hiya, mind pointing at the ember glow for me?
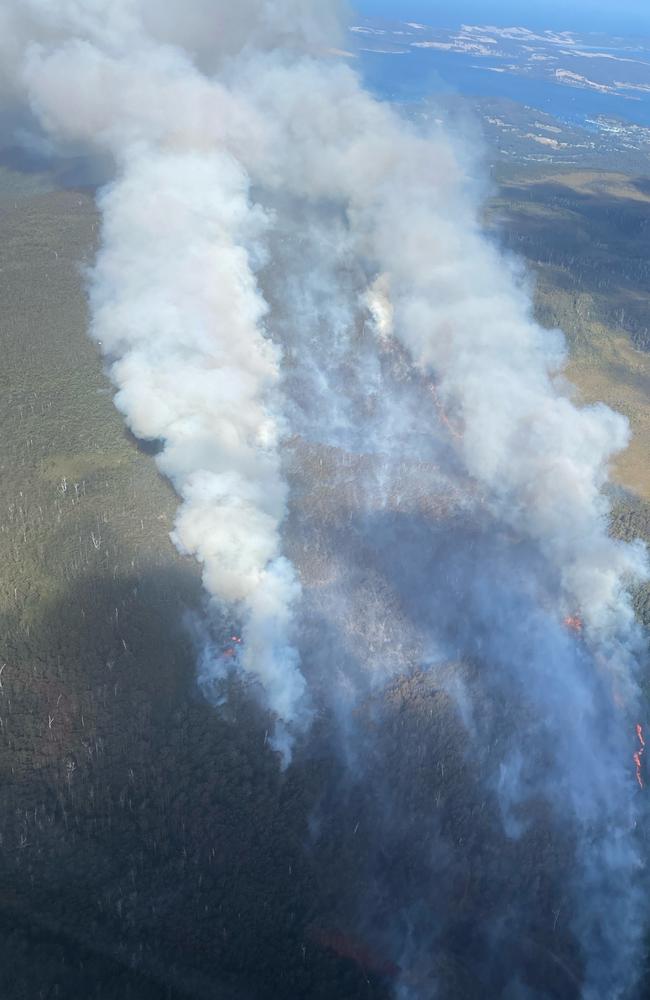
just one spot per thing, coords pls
(574, 622)
(346, 946)
(230, 650)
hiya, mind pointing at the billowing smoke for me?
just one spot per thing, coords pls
(379, 465)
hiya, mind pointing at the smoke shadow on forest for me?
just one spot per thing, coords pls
(432, 874)
(157, 836)
(148, 837)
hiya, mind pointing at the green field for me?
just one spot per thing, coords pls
(586, 236)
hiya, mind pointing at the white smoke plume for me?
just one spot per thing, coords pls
(194, 369)
(455, 306)
(264, 208)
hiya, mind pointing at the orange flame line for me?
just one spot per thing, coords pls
(638, 754)
(574, 622)
(443, 416)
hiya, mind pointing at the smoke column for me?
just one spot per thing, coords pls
(194, 368)
(176, 306)
(284, 255)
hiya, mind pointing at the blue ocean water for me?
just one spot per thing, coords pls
(424, 72)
